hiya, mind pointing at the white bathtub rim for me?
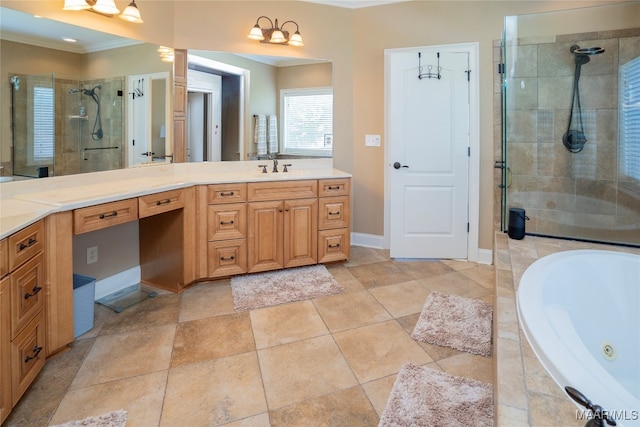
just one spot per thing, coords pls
(559, 359)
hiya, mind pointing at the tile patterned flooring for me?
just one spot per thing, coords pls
(191, 360)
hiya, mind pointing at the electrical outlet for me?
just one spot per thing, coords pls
(372, 140)
(92, 254)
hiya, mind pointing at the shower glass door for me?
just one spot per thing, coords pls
(33, 124)
(571, 120)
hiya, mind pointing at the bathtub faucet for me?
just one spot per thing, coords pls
(598, 414)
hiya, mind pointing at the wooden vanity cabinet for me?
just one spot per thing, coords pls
(282, 224)
(334, 220)
(223, 214)
(22, 312)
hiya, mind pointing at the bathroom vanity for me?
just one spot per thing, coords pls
(196, 222)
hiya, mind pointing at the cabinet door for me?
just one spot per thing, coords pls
(27, 293)
(27, 356)
(300, 232)
(5, 350)
(264, 236)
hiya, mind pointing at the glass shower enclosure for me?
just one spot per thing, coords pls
(571, 123)
(63, 125)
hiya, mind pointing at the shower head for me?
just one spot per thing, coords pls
(15, 82)
(577, 50)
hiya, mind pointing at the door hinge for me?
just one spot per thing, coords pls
(133, 142)
(468, 75)
(468, 227)
(501, 68)
(469, 151)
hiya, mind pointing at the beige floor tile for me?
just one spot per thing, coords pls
(469, 365)
(286, 323)
(360, 255)
(348, 407)
(206, 299)
(140, 396)
(423, 269)
(152, 312)
(401, 299)
(214, 392)
(260, 420)
(344, 277)
(455, 283)
(348, 311)
(42, 398)
(379, 350)
(378, 392)
(139, 352)
(482, 274)
(545, 410)
(212, 337)
(379, 274)
(303, 370)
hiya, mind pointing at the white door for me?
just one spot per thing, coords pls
(138, 120)
(428, 153)
(196, 125)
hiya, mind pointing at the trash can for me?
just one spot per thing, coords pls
(84, 289)
(517, 218)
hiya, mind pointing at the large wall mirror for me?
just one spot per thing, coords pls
(107, 103)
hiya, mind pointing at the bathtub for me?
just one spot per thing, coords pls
(580, 311)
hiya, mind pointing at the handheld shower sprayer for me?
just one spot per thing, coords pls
(574, 139)
(97, 132)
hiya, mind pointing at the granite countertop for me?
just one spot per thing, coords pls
(26, 201)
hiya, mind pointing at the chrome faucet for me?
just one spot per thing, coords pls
(275, 165)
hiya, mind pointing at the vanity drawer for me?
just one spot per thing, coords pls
(226, 193)
(105, 215)
(158, 203)
(333, 212)
(4, 257)
(333, 245)
(282, 190)
(227, 258)
(226, 221)
(27, 293)
(334, 187)
(27, 356)
(25, 244)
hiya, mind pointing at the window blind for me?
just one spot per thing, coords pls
(307, 116)
(43, 123)
(630, 119)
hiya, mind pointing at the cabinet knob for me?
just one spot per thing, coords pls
(29, 243)
(36, 350)
(35, 290)
(231, 258)
(112, 214)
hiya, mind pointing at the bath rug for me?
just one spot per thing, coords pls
(111, 419)
(425, 397)
(457, 322)
(282, 286)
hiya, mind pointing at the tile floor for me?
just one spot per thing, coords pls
(190, 360)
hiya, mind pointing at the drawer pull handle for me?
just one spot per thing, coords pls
(29, 243)
(163, 202)
(103, 216)
(230, 193)
(331, 187)
(337, 245)
(226, 223)
(36, 350)
(334, 213)
(231, 258)
(35, 290)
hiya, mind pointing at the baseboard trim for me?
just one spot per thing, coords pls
(485, 256)
(117, 282)
(367, 240)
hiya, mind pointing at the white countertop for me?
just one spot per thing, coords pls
(26, 201)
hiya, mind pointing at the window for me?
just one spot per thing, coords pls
(630, 119)
(43, 124)
(307, 121)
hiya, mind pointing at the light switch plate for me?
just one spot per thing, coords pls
(372, 140)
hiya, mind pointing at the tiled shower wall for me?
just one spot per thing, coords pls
(579, 195)
(75, 151)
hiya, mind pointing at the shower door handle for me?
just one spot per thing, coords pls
(148, 153)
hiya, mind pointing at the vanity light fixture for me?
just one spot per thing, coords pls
(275, 34)
(106, 8)
(166, 53)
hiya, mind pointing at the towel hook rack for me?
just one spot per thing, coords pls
(429, 74)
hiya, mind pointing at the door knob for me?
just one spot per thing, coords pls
(397, 165)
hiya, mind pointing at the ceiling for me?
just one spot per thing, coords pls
(355, 4)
